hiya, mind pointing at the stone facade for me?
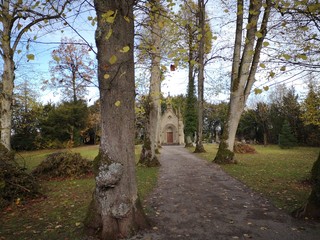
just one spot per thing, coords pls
(171, 127)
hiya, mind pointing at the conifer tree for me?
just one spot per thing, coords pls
(286, 138)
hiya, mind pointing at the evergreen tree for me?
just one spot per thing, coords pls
(286, 138)
(190, 113)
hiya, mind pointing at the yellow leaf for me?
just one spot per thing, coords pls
(117, 103)
(259, 35)
(30, 57)
(286, 56)
(125, 49)
(283, 68)
(109, 34)
(106, 76)
(56, 58)
(113, 59)
(127, 19)
(266, 88)
(161, 24)
(109, 16)
(257, 91)
(262, 65)
(272, 74)
(266, 44)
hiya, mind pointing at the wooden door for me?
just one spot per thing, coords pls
(169, 137)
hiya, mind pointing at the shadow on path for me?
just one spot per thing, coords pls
(197, 200)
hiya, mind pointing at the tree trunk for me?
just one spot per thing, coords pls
(190, 125)
(265, 138)
(199, 146)
(244, 68)
(115, 211)
(7, 92)
(312, 208)
(148, 155)
(225, 152)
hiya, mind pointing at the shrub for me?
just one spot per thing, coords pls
(63, 164)
(243, 148)
(15, 182)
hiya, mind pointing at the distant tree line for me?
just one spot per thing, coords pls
(53, 125)
(263, 123)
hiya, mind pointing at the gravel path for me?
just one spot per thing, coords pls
(197, 200)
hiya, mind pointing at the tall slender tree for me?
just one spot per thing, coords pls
(244, 66)
(201, 11)
(115, 211)
(148, 153)
(17, 18)
(72, 69)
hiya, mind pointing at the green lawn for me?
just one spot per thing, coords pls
(279, 174)
(276, 173)
(59, 214)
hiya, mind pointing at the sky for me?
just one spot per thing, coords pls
(216, 82)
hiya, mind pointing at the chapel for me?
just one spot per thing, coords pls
(171, 127)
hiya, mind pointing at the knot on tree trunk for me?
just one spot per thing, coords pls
(109, 175)
(121, 210)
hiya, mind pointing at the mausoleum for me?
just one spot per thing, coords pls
(171, 127)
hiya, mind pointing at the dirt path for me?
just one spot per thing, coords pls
(197, 200)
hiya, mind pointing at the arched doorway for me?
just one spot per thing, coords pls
(169, 135)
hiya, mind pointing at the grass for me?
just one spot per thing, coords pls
(279, 174)
(60, 213)
(276, 173)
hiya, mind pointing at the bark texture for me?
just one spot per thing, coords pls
(7, 76)
(244, 67)
(115, 211)
(312, 208)
(148, 155)
(199, 146)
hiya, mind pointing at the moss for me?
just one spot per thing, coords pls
(224, 155)
(96, 163)
(199, 149)
(146, 158)
(315, 178)
(93, 221)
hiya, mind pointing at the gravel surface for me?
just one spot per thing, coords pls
(195, 199)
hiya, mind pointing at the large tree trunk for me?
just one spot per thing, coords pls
(148, 155)
(199, 146)
(6, 91)
(244, 68)
(225, 152)
(312, 208)
(115, 211)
